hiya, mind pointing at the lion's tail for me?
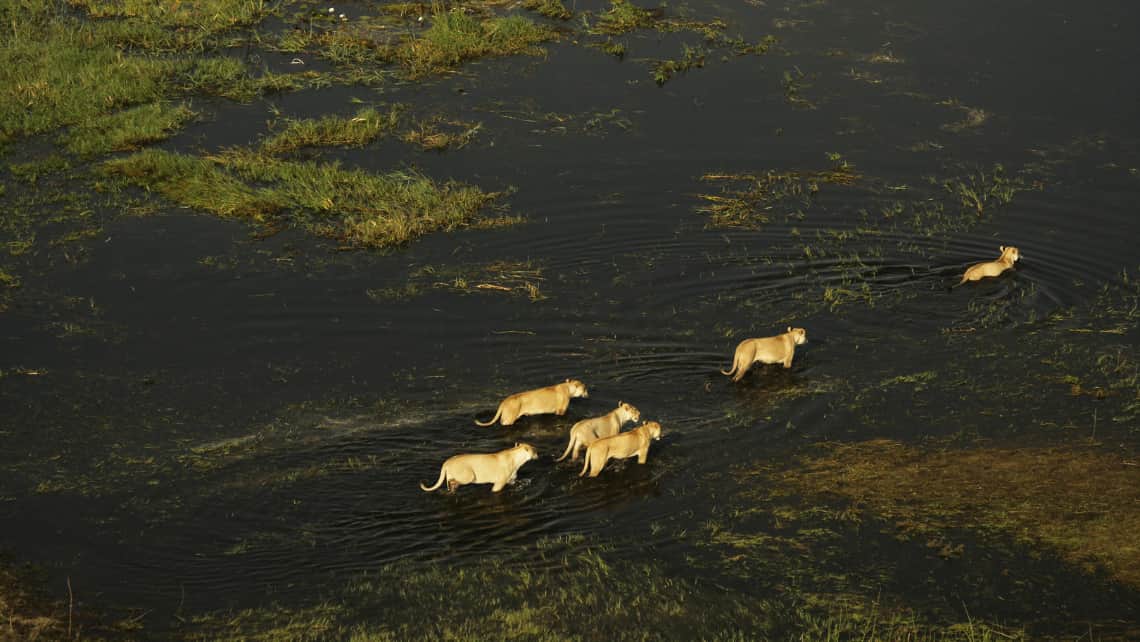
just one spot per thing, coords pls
(732, 371)
(569, 447)
(442, 474)
(498, 413)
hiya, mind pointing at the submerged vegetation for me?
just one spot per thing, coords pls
(506, 277)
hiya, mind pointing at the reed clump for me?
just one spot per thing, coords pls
(358, 208)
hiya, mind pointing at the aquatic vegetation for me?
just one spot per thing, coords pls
(790, 190)
(438, 134)
(560, 596)
(365, 126)
(690, 57)
(454, 36)
(58, 69)
(127, 130)
(978, 191)
(623, 16)
(553, 9)
(24, 616)
(1080, 502)
(356, 207)
(519, 278)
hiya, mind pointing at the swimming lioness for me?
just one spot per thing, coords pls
(778, 349)
(588, 431)
(537, 402)
(498, 468)
(627, 444)
(1009, 256)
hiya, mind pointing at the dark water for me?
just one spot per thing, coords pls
(251, 429)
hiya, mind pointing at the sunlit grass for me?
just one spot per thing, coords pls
(58, 70)
(623, 16)
(365, 126)
(128, 129)
(356, 207)
(1086, 505)
(454, 36)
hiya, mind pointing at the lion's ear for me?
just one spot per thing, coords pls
(789, 328)
(1001, 247)
(516, 444)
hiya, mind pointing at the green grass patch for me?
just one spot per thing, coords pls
(356, 207)
(553, 9)
(127, 130)
(622, 17)
(454, 37)
(365, 126)
(58, 69)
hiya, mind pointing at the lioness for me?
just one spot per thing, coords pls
(627, 444)
(778, 349)
(1009, 256)
(498, 468)
(537, 402)
(588, 431)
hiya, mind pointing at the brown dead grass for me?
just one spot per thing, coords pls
(1083, 503)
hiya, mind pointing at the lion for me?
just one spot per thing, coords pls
(554, 399)
(588, 431)
(627, 444)
(778, 349)
(1009, 256)
(498, 468)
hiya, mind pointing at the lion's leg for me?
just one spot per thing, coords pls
(642, 455)
(498, 486)
(510, 415)
(452, 484)
(741, 368)
(597, 464)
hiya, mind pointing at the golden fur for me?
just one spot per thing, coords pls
(554, 399)
(498, 468)
(1009, 256)
(588, 431)
(778, 349)
(627, 444)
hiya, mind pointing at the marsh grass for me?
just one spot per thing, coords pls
(438, 134)
(127, 130)
(1083, 503)
(515, 278)
(571, 590)
(353, 206)
(553, 9)
(367, 125)
(691, 57)
(980, 191)
(455, 36)
(622, 17)
(746, 199)
(59, 69)
(24, 616)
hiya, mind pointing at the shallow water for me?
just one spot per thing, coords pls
(252, 429)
